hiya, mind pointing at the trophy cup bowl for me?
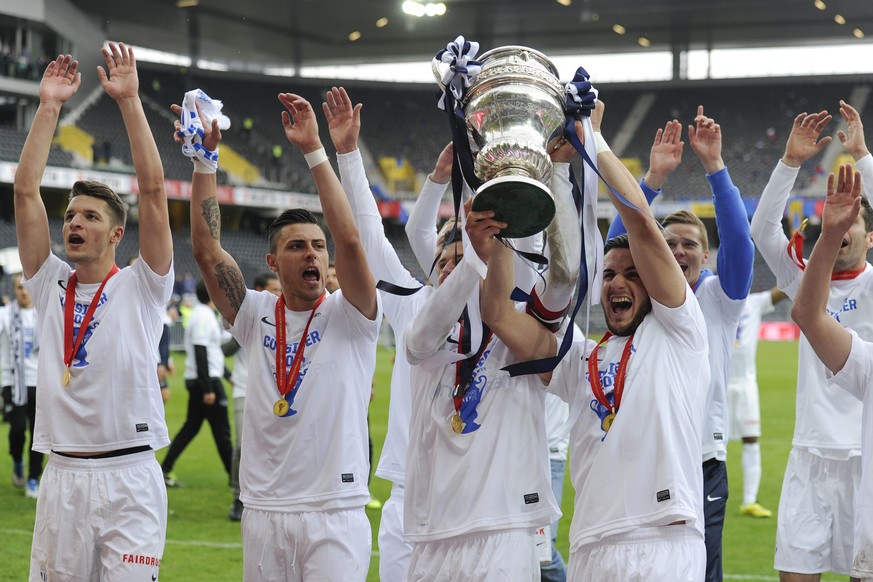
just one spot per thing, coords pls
(512, 109)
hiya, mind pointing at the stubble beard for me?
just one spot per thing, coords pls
(632, 325)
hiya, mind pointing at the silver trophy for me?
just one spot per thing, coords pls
(512, 109)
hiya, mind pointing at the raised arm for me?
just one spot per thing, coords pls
(525, 336)
(654, 261)
(120, 81)
(736, 263)
(428, 330)
(553, 292)
(830, 340)
(421, 226)
(664, 157)
(766, 228)
(356, 281)
(853, 140)
(59, 83)
(221, 274)
(344, 123)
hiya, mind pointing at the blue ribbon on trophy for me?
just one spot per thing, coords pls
(580, 99)
(460, 55)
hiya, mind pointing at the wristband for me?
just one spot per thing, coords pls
(602, 146)
(315, 158)
(201, 168)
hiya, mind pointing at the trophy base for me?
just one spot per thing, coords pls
(524, 204)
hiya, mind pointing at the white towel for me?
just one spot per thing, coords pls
(192, 126)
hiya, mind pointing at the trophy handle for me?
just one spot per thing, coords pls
(439, 68)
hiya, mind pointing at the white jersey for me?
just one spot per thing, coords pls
(646, 470)
(856, 377)
(828, 420)
(494, 475)
(315, 458)
(113, 400)
(722, 315)
(19, 349)
(205, 330)
(743, 364)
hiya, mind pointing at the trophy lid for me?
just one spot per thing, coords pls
(519, 52)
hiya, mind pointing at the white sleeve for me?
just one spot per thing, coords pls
(855, 376)
(247, 316)
(159, 288)
(381, 256)
(42, 286)
(865, 166)
(421, 225)
(684, 323)
(766, 227)
(565, 245)
(428, 330)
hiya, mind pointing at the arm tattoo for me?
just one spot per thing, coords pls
(212, 215)
(230, 281)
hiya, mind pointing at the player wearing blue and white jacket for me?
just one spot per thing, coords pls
(721, 296)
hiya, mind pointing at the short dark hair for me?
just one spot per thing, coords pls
(99, 190)
(450, 231)
(621, 241)
(262, 279)
(292, 216)
(202, 292)
(867, 214)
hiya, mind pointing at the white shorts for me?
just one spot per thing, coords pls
(328, 546)
(863, 574)
(500, 556)
(744, 410)
(649, 554)
(815, 527)
(394, 553)
(100, 519)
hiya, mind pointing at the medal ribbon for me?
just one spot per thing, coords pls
(621, 374)
(71, 346)
(464, 368)
(795, 251)
(283, 381)
(795, 246)
(846, 275)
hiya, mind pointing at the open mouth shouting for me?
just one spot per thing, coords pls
(312, 275)
(75, 240)
(620, 304)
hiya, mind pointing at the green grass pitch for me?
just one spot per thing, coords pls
(202, 544)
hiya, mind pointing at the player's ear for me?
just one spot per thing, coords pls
(117, 235)
(271, 262)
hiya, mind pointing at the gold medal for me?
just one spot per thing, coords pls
(281, 407)
(607, 421)
(65, 378)
(457, 424)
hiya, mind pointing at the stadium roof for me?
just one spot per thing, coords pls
(311, 32)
